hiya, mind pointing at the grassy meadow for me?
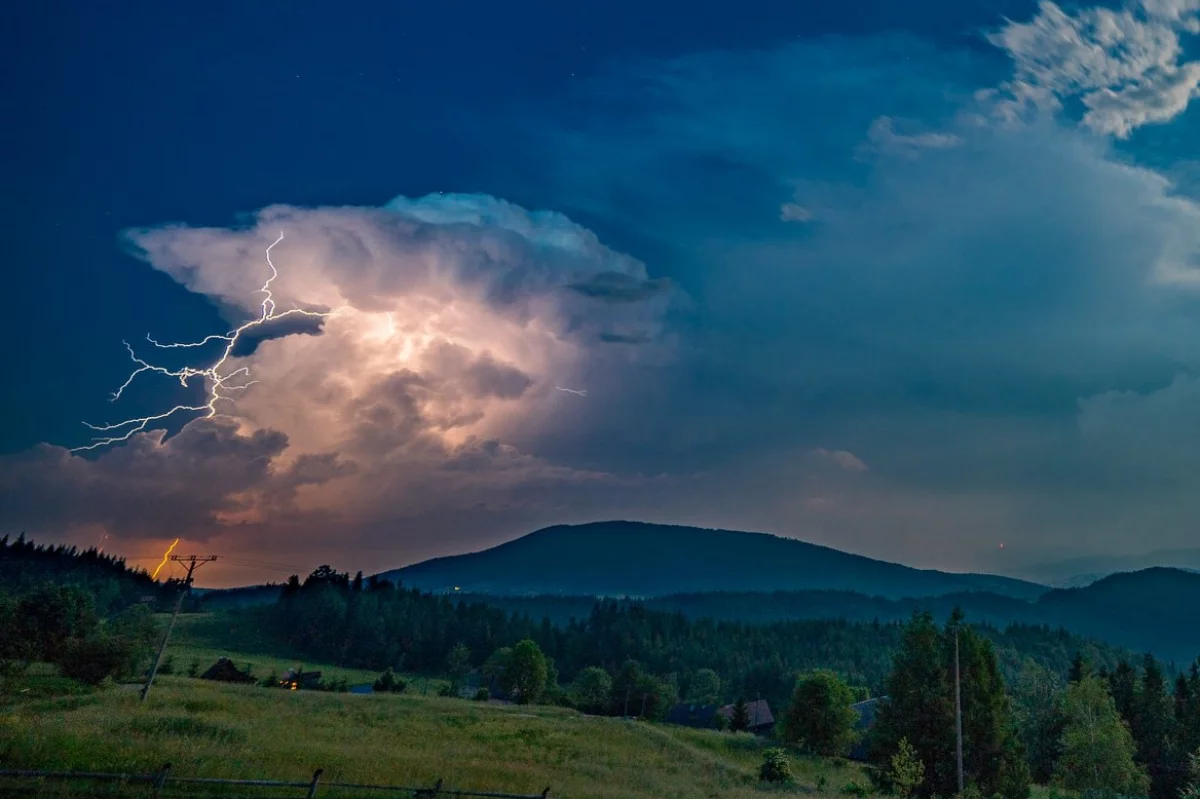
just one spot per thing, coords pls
(216, 730)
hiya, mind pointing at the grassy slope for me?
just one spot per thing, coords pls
(211, 729)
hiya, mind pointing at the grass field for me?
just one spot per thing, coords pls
(207, 729)
(203, 637)
(217, 730)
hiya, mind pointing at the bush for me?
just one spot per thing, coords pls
(92, 660)
(167, 666)
(855, 788)
(447, 690)
(270, 681)
(482, 695)
(193, 669)
(776, 767)
(388, 682)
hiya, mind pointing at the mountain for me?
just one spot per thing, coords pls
(1151, 610)
(1078, 572)
(633, 559)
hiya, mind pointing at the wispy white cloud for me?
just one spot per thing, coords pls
(844, 460)
(1124, 65)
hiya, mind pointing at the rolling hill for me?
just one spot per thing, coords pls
(633, 559)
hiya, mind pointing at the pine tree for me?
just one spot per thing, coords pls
(987, 716)
(1187, 710)
(1122, 685)
(1192, 789)
(920, 708)
(1151, 727)
(1080, 668)
(1014, 780)
(905, 771)
(1038, 714)
(741, 716)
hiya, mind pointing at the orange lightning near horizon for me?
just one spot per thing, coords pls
(166, 557)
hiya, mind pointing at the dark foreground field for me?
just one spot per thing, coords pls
(217, 730)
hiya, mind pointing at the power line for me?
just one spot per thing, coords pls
(193, 562)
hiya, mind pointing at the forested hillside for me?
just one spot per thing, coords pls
(111, 584)
(373, 624)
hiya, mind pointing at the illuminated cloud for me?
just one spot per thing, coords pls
(450, 320)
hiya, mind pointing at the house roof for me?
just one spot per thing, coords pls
(759, 710)
(224, 671)
(866, 712)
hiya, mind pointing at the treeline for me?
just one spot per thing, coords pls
(375, 624)
(60, 624)
(106, 579)
(1127, 731)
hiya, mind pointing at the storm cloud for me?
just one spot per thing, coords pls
(894, 296)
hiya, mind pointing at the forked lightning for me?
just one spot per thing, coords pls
(218, 381)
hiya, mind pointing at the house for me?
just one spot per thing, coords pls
(761, 720)
(867, 711)
(224, 671)
(297, 679)
(692, 714)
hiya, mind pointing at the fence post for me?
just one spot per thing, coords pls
(160, 780)
(312, 786)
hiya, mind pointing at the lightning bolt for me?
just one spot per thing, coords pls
(166, 557)
(582, 393)
(219, 379)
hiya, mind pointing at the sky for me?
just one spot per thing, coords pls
(916, 281)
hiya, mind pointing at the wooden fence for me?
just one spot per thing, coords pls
(156, 784)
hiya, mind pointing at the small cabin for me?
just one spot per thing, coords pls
(300, 680)
(224, 671)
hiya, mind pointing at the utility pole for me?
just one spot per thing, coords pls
(193, 562)
(958, 713)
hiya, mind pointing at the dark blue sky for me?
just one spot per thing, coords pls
(159, 112)
(880, 323)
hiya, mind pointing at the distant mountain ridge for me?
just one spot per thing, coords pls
(1078, 572)
(636, 559)
(1152, 610)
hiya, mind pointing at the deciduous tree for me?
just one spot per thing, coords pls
(704, 688)
(820, 718)
(1097, 747)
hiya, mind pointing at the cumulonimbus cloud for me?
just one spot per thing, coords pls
(450, 319)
